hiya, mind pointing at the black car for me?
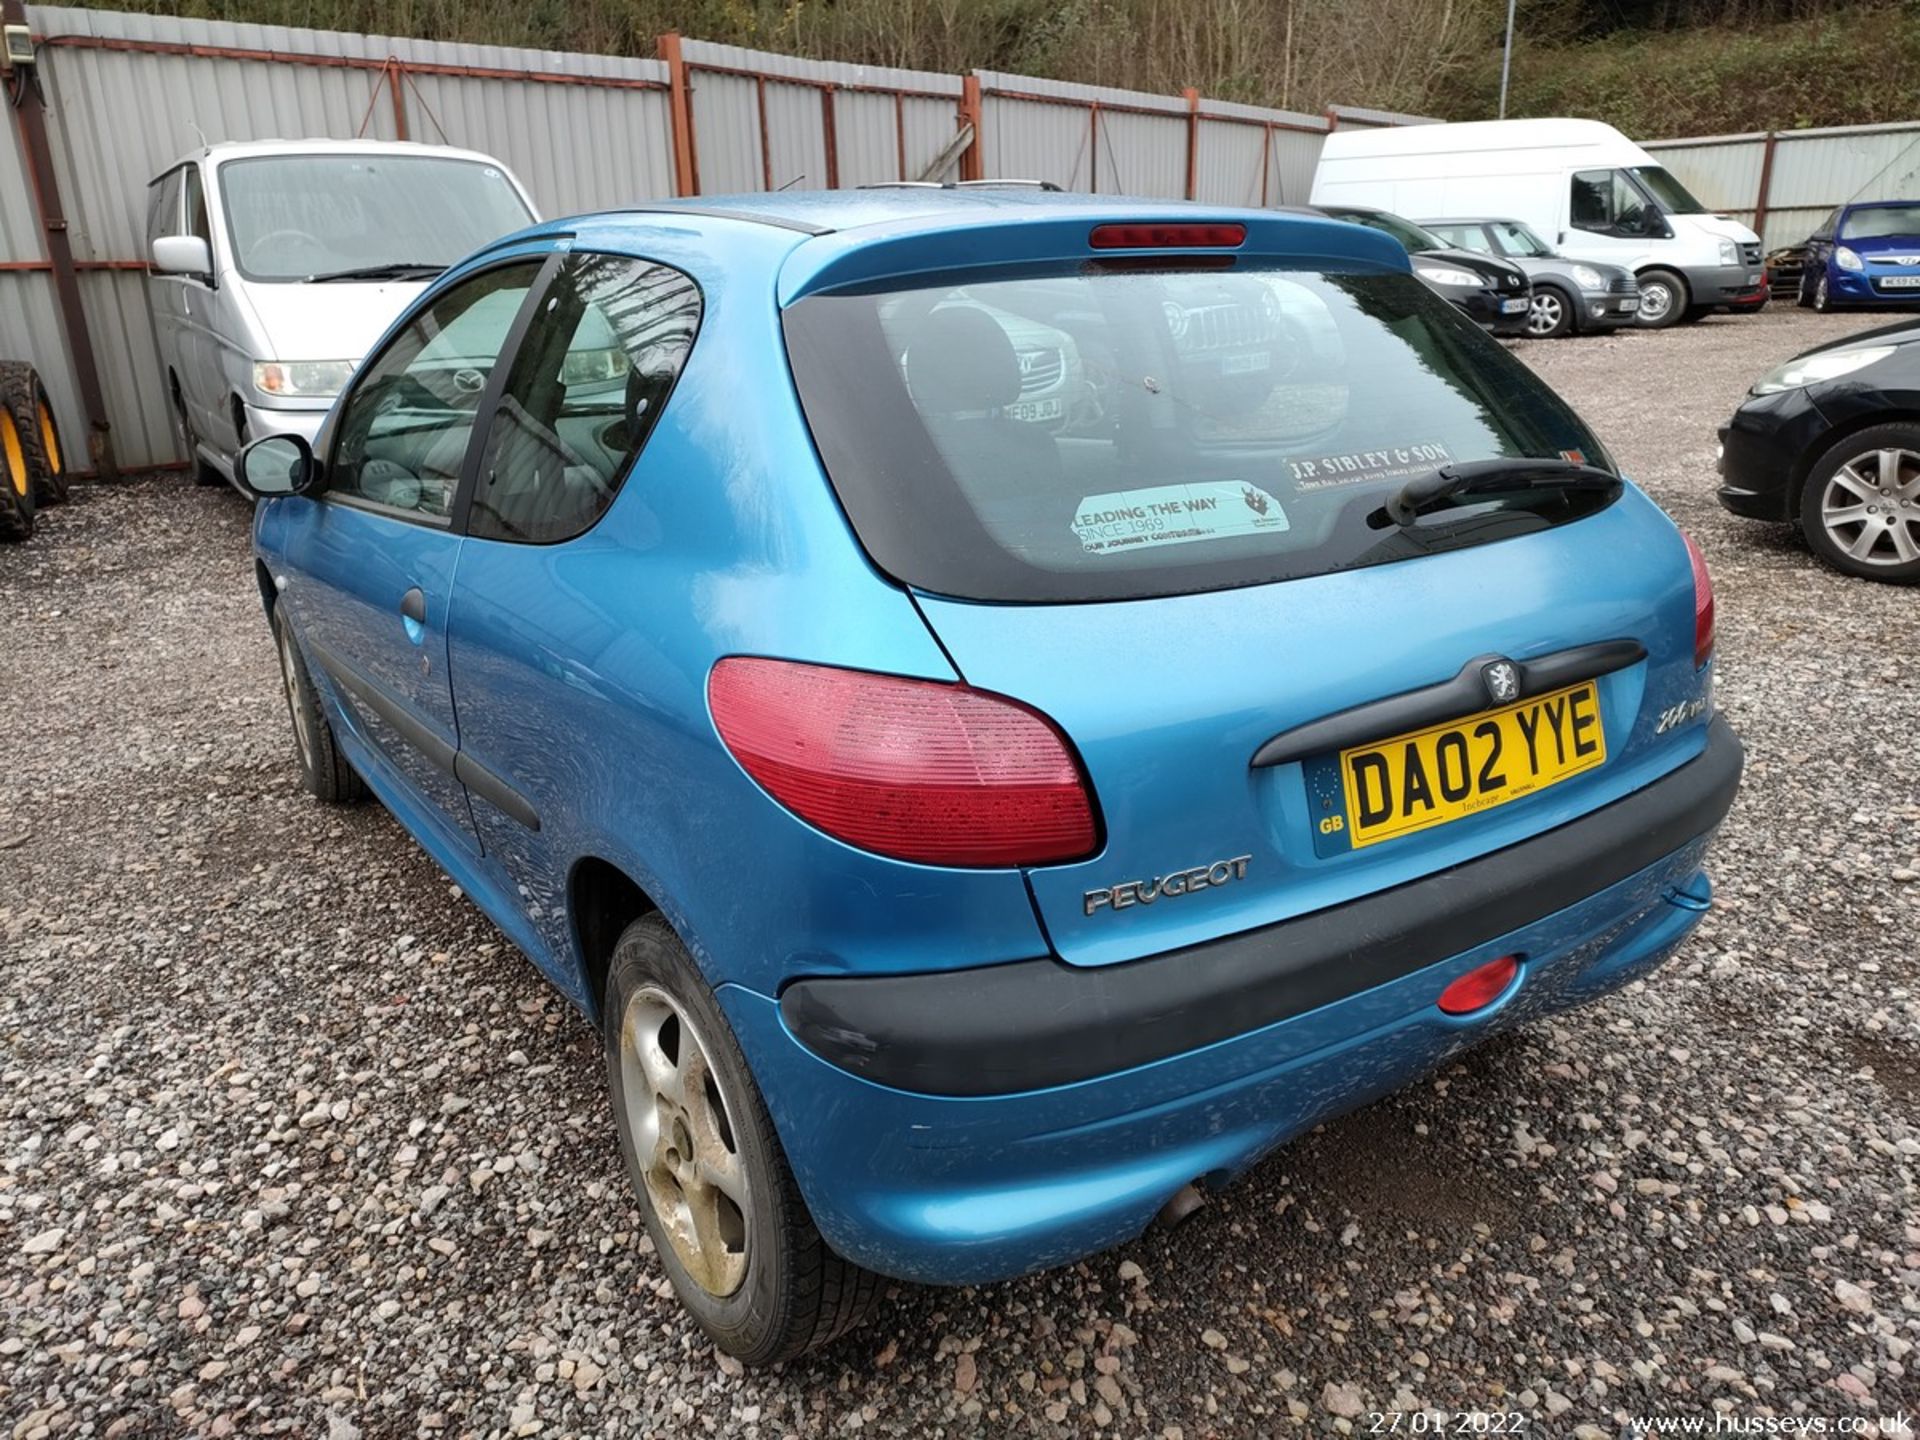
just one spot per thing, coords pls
(1570, 297)
(1494, 292)
(1831, 441)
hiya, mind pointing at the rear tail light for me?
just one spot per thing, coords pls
(915, 769)
(1480, 987)
(1206, 236)
(1702, 604)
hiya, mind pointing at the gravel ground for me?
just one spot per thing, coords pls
(294, 1142)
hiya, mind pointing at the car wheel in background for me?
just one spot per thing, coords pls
(16, 483)
(1803, 291)
(720, 1202)
(1861, 505)
(25, 399)
(1663, 299)
(1550, 315)
(1822, 298)
(323, 769)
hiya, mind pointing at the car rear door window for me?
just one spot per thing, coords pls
(587, 387)
(1108, 434)
(402, 435)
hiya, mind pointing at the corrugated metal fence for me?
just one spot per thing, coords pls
(1784, 183)
(125, 94)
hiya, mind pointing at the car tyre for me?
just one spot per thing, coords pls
(16, 482)
(737, 1241)
(323, 769)
(39, 432)
(1549, 314)
(1663, 299)
(1822, 297)
(1860, 507)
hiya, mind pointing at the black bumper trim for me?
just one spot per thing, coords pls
(1031, 1024)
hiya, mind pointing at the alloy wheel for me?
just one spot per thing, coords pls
(683, 1135)
(1821, 299)
(1545, 314)
(296, 704)
(1870, 507)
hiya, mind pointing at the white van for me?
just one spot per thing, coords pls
(1600, 196)
(274, 265)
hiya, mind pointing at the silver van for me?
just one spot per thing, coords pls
(274, 265)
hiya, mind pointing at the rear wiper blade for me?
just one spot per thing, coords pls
(1475, 477)
(392, 270)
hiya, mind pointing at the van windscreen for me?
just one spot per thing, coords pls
(1117, 433)
(293, 217)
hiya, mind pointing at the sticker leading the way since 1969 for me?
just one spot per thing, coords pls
(1175, 514)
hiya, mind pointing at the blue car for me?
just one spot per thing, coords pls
(1865, 254)
(1001, 707)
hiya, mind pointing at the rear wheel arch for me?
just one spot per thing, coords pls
(602, 901)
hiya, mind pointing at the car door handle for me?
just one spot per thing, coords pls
(413, 605)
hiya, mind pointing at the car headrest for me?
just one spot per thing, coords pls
(960, 361)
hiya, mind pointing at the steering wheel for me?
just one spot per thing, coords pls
(299, 238)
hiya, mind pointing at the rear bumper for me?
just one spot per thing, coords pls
(1023, 1115)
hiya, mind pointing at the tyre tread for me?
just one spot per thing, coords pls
(21, 392)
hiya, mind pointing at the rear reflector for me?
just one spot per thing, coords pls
(1702, 604)
(1480, 987)
(1210, 236)
(915, 769)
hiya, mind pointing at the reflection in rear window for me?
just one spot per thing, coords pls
(1111, 434)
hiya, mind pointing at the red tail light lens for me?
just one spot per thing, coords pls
(914, 769)
(1212, 236)
(1480, 987)
(1702, 604)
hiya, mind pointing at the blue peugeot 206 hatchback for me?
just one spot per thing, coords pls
(1001, 707)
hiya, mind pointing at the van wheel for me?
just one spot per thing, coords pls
(33, 421)
(323, 769)
(16, 484)
(1860, 508)
(1550, 315)
(1663, 299)
(720, 1202)
(203, 473)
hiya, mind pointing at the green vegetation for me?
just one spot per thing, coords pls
(1652, 67)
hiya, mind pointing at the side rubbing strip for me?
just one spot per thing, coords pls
(464, 768)
(1464, 694)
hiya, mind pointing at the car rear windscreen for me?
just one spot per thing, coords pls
(1122, 432)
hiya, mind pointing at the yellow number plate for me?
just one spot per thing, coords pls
(1413, 782)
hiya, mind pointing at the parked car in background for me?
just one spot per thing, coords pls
(1865, 254)
(1494, 293)
(1785, 266)
(274, 264)
(1591, 190)
(1569, 296)
(1830, 441)
(967, 837)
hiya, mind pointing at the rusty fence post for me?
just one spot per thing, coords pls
(686, 170)
(1760, 203)
(31, 117)
(972, 166)
(1193, 141)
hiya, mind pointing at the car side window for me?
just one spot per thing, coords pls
(1606, 201)
(163, 207)
(1466, 237)
(402, 435)
(197, 223)
(586, 389)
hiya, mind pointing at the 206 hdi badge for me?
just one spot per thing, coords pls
(1181, 882)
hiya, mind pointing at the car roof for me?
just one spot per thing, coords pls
(1877, 204)
(222, 151)
(909, 206)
